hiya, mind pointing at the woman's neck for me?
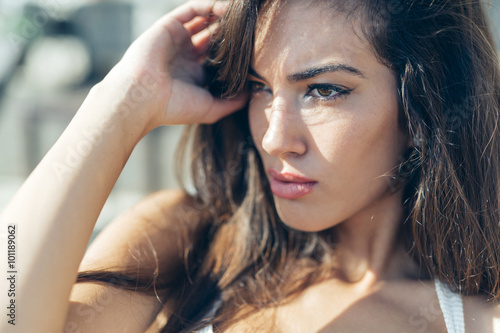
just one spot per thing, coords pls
(369, 246)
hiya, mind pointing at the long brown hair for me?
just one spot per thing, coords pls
(447, 70)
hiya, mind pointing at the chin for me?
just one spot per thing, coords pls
(304, 224)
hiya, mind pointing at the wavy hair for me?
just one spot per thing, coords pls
(446, 65)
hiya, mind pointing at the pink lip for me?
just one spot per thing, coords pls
(290, 186)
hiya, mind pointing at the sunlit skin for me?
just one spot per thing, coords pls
(324, 107)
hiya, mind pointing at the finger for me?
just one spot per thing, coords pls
(220, 8)
(198, 24)
(192, 9)
(201, 41)
(201, 45)
(175, 21)
(203, 108)
(213, 109)
(221, 108)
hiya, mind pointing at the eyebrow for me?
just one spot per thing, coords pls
(313, 72)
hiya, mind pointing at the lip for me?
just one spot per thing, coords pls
(287, 185)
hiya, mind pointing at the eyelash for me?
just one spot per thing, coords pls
(339, 91)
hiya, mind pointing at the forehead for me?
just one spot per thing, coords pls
(308, 32)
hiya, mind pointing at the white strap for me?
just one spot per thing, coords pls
(452, 308)
(207, 329)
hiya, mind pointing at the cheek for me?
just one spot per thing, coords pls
(365, 144)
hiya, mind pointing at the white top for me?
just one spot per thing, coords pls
(450, 303)
(452, 308)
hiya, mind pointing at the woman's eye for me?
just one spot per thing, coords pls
(256, 86)
(326, 91)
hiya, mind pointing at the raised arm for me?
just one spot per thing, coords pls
(54, 212)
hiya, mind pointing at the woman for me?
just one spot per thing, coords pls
(356, 191)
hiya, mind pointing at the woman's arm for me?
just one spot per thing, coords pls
(55, 210)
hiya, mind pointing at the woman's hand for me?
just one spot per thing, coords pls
(161, 74)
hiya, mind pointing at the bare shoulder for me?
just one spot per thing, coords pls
(481, 315)
(144, 235)
(148, 231)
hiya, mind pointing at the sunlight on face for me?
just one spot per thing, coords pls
(324, 117)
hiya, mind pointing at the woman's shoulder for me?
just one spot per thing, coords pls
(481, 315)
(144, 238)
(147, 231)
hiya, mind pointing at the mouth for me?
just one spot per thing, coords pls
(287, 185)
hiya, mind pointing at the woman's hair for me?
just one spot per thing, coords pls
(446, 67)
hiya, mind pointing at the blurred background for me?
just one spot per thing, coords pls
(51, 53)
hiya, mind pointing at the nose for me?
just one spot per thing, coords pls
(284, 134)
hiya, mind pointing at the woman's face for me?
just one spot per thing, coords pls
(324, 117)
